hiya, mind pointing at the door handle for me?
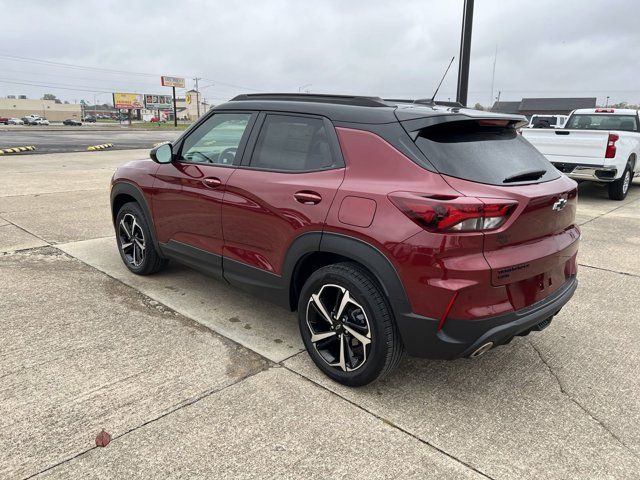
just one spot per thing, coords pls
(307, 197)
(211, 182)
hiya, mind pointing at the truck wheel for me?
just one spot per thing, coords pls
(347, 325)
(618, 190)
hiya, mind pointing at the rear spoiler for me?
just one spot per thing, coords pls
(414, 125)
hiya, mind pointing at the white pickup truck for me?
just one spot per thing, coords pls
(601, 145)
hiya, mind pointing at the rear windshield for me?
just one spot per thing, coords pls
(603, 122)
(485, 154)
(540, 120)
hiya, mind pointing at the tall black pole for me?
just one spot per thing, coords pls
(465, 52)
(175, 110)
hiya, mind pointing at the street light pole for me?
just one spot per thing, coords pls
(465, 53)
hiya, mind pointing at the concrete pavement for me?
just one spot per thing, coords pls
(195, 379)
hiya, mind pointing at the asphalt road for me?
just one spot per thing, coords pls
(77, 139)
(195, 379)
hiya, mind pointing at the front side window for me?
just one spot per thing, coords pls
(582, 121)
(291, 143)
(216, 141)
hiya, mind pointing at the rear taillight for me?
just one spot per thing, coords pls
(605, 110)
(611, 145)
(453, 214)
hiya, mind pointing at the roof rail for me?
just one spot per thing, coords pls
(313, 97)
(424, 101)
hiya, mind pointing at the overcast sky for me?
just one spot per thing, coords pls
(396, 48)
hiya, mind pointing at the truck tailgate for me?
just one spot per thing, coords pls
(586, 147)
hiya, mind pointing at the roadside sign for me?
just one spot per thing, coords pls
(172, 81)
(187, 98)
(128, 101)
(157, 102)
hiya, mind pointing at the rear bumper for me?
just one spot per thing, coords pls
(587, 172)
(460, 338)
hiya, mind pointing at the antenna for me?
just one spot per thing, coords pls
(493, 75)
(441, 80)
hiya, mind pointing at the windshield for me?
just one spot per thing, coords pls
(485, 154)
(596, 121)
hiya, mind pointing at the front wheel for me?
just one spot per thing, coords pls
(347, 326)
(618, 190)
(135, 242)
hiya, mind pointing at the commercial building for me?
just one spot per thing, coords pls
(549, 106)
(49, 109)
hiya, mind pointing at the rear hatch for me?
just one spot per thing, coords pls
(586, 147)
(532, 252)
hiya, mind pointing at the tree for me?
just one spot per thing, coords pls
(477, 106)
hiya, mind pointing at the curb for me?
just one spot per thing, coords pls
(160, 143)
(100, 147)
(30, 148)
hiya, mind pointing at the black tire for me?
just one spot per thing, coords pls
(618, 190)
(150, 262)
(361, 363)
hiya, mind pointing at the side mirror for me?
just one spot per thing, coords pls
(162, 153)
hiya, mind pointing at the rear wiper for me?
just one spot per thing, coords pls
(525, 176)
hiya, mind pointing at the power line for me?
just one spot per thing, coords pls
(63, 86)
(91, 79)
(17, 58)
(69, 65)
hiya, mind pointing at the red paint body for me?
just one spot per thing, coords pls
(253, 217)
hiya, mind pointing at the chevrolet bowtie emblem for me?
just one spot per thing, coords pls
(560, 204)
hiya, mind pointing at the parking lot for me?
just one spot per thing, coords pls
(58, 139)
(194, 379)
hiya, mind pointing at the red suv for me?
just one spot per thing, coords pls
(390, 226)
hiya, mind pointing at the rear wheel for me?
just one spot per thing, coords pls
(135, 242)
(618, 190)
(347, 326)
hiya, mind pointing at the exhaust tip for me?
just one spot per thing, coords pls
(481, 350)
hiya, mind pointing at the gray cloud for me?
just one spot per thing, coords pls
(399, 48)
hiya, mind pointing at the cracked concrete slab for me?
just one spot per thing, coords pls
(504, 414)
(595, 353)
(13, 238)
(593, 198)
(265, 328)
(20, 183)
(565, 409)
(65, 224)
(67, 162)
(611, 243)
(272, 425)
(53, 202)
(80, 351)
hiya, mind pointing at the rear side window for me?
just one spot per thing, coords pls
(627, 123)
(292, 143)
(486, 154)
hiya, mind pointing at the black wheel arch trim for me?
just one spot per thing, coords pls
(354, 249)
(126, 188)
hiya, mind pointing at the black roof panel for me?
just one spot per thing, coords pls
(351, 109)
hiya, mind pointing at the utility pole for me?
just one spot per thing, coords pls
(465, 53)
(197, 95)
